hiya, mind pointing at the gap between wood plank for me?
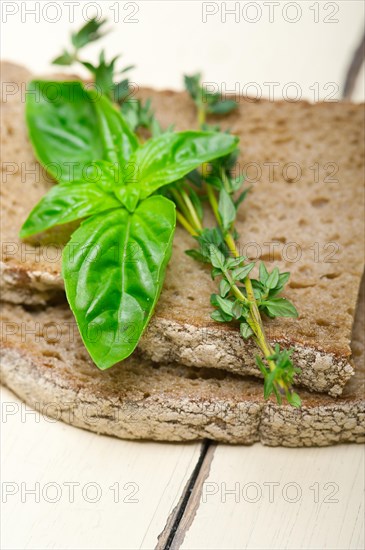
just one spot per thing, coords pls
(184, 512)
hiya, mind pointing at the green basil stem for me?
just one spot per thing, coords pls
(181, 204)
(201, 115)
(213, 201)
(191, 210)
(224, 179)
(186, 224)
(188, 216)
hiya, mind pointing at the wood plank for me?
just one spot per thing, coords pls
(35, 450)
(317, 500)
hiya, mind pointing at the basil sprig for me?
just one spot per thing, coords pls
(114, 265)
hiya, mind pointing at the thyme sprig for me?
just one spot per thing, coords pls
(240, 299)
(207, 102)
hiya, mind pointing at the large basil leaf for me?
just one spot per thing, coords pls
(105, 174)
(119, 142)
(65, 203)
(70, 127)
(113, 268)
(169, 157)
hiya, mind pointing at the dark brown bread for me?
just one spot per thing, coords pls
(285, 215)
(45, 363)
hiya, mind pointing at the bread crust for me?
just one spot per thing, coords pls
(45, 363)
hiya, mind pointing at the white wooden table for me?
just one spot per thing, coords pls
(65, 488)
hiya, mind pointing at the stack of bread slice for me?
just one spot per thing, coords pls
(192, 378)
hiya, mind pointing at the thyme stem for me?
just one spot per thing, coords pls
(254, 319)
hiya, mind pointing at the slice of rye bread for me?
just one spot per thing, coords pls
(324, 220)
(45, 363)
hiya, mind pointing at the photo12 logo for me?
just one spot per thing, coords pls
(53, 12)
(270, 12)
(291, 92)
(71, 492)
(270, 491)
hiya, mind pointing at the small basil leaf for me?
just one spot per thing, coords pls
(169, 157)
(119, 142)
(130, 111)
(88, 33)
(103, 75)
(65, 203)
(226, 209)
(280, 307)
(65, 58)
(140, 115)
(121, 90)
(192, 85)
(113, 268)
